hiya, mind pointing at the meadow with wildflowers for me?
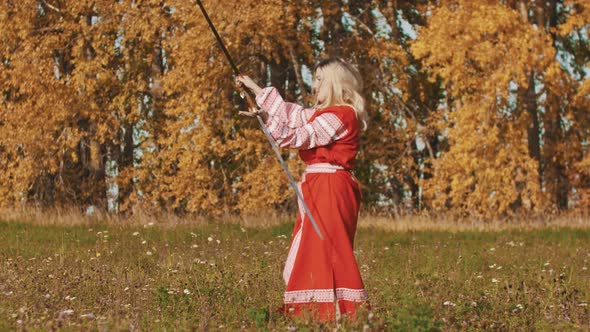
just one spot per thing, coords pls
(213, 275)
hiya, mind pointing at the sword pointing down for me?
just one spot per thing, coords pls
(252, 104)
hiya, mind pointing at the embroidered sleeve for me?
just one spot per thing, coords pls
(323, 130)
(272, 103)
(287, 123)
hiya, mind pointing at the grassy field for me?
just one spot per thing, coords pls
(227, 276)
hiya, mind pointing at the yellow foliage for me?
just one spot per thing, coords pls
(480, 49)
(132, 103)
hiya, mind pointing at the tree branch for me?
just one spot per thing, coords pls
(296, 68)
(50, 6)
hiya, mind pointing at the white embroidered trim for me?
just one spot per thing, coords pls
(311, 295)
(296, 240)
(291, 257)
(322, 168)
(325, 295)
(354, 295)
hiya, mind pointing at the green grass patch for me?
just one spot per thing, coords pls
(223, 276)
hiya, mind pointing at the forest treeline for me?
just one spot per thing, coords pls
(476, 107)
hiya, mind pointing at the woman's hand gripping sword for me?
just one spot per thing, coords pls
(255, 111)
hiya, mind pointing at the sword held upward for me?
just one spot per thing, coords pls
(254, 111)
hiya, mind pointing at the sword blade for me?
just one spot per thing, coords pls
(262, 126)
(219, 40)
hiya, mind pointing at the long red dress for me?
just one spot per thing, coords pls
(321, 274)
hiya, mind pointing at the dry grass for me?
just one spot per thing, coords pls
(75, 217)
(420, 222)
(450, 224)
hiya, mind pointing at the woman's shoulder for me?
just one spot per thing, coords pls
(344, 112)
(339, 109)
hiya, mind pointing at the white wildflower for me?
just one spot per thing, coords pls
(66, 313)
(449, 303)
(88, 316)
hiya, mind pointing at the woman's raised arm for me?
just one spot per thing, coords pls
(271, 102)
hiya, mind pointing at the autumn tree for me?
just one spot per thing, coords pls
(476, 106)
(76, 88)
(508, 143)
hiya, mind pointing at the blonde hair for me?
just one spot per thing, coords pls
(346, 86)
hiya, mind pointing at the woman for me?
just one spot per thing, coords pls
(322, 275)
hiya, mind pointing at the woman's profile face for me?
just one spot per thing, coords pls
(319, 87)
